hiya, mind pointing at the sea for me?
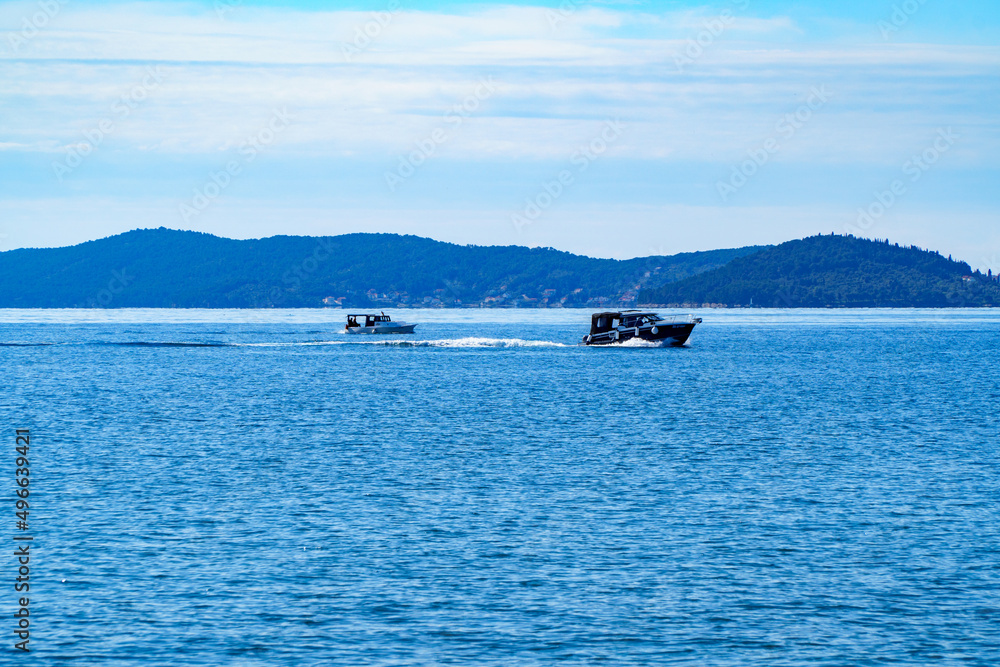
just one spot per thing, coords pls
(224, 487)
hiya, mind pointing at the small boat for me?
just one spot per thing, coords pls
(618, 327)
(376, 324)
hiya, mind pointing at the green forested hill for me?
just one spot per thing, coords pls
(835, 271)
(167, 268)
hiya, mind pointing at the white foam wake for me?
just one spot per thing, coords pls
(386, 341)
(638, 342)
(469, 342)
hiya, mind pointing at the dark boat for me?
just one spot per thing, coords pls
(619, 327)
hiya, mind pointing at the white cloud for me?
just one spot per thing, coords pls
(715, 112)
(556, 85)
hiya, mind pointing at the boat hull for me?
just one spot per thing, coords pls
(402, 329)
(666, 334)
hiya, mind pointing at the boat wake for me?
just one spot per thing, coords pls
(352, 341)
(27, 344)
(379, 341)
(165, 344)
(471, 342)
(639, 342)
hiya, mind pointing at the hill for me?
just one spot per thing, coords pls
(835, 271)
(169, 268)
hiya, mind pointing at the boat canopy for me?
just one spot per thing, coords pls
(603, 322)
(370, 320)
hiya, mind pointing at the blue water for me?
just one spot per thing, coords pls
(255, 488)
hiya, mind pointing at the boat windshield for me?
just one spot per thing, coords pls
(640, 320)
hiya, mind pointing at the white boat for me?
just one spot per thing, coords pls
(376, 324)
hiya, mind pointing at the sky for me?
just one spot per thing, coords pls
(611, 129)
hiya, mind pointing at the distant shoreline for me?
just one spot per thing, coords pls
(357, 309)
(164, 268)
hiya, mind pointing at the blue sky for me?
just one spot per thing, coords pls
(612, 129)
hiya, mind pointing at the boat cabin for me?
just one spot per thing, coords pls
(369, 321)
(604, 322)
